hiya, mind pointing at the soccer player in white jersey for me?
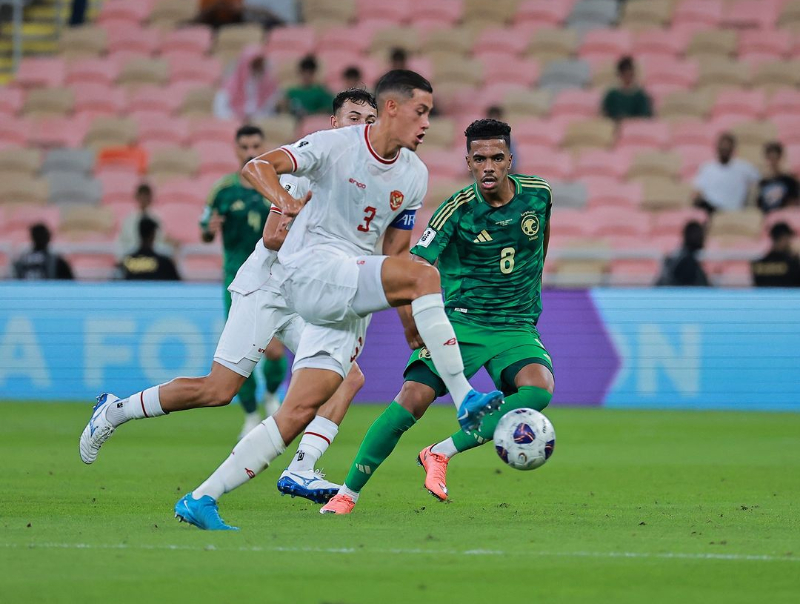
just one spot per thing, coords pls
(259, 311)
(366, 181)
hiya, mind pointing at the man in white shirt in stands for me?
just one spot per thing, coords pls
(726, 183)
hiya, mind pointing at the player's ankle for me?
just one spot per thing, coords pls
(345, 490)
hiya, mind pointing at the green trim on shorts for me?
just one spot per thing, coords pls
(509, 374)
(419, 372)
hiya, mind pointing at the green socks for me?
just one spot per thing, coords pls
(274, 373)
(380, 440)
(527, 396)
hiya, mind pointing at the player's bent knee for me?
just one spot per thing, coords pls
(416, 398)
(355, 378)
(426, 280)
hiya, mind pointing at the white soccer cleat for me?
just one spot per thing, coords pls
(251, 420)
(271, 404)
(98, 430)
(309, 484)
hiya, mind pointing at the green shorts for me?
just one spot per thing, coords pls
(504, 350)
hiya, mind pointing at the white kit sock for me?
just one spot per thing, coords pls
(316, 439)
(138, 406)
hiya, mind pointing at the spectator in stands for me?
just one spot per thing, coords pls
(352, 78)
(682, 269)
(145, 264)
(776, 189)
(309, 97)
(781, 266)
(128, 239)
(628, 100)
(398, 58)
(217, 13)
(40, 263)
(724, 184)
(250, 92)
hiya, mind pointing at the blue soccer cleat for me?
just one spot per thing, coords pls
(475, 405)
(202, 513)
(310, 484)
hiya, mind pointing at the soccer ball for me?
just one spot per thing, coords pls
(524, 439)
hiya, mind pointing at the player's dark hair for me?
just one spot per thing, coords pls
(144, 189)
(398, 55)
(773, 147)
(147, 229)
(308, 63)
(727, 136)
(249, 130)
(40, 236)
(694, 234)
(624, 64)
(359, 96)
(488, 129)
(402, 81)
(352, 72)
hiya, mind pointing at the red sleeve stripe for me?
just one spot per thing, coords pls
(141, 402)
(292, 157)
(325, 438)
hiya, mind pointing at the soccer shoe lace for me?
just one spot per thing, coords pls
(340, 504)
(435, 466)
(475, 405)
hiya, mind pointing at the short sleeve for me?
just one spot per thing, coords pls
(701, 178)
(295, 186)
(440, 229)
(312, 153)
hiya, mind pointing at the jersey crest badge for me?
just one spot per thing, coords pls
(530, 224)
(395, 200)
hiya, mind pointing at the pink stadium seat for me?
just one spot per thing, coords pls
(761, 14)
(788, 129)
(708, 12)
(195, 39)
(749, 104)
(94, 265)
(340, 39)
(608, 192)
(793, 157)
(662, 42)
(671, 222)
(446, 164)
(633, 271)
(733, 273)
(133, 41)
(615, 221)
(783, 102)
(201, 267)
(37, 72)
(179, 220)
(544, 162)
(670, 71)
(154, 98)
(508, 69)
(609, 164)
(693, 132)
(397, 11)
(570, 224)
(131, 11)
(499, 40)
(193, 69)
(298, 39)
(692, 157)
(122, 209)
(643, 134)
(91, 71)
(182, 190)
(538, 132)
(58, 132)
(603, 45)
(95, 99)
(217, 158)
(577, 103)
(771, 45)
(119, 184)
(19, 216)
(442, 13)
(666, 244)
(543, 13)
(211, 130)
(11, 101)
(313, 123)
(162, 130)
(791, 216)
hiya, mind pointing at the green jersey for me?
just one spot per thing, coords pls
(491, 258)
(245, 212)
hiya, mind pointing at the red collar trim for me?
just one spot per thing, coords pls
(375, 155)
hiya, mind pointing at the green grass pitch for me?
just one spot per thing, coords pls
(633, 507)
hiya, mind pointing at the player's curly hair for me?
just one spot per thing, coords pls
(488, 129)
(359, 96)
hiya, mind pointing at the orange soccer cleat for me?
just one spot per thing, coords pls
(340, 504)
(435, 465)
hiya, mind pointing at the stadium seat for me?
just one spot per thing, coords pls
(14, 132)
(11, 102)
(169, 14)
(110, 132)
(692, 157)
(457, 40)
(444, 163)
(184, 191)
(48, 102)
(54, 132)
(743, 103)
(73, 187)
(82, 42)
(195, 39)
(509, 70)
(718, 73)
(440, 190)
(558, 75)
(775, 44)
(783, 102)
(570, 194)
(195, 266)
(397, 11)
(495, 13)
(194, 70)
(91, 71)
(538, 132)
(742, 223)
(23, 189)
(543, 13)
(300, 40)
(526, 103)
(788, 215)
(212, 131)
(232, 39)
(499, 41)
(153, 99)
(646, 15)
(543, 161)
(548, 45)
(217, 158)
(134, 11)
(758, 132)
(436, 15)
(174, 162)
(129, 42)
(343, 38)
(605, 45)
(671, 222)
(118, 184)
(590, 14)
(138, 72)
(595, 133)
(773, 75)
(86, 217)
(79, 161)
(658, 42)
(38, 72)
(198, 102)
(279, 129)
(761, 14)
(179, 220)
(633, 272)
(441, 134)
(704, 12)
(324, 11)
(457, 69)
(95, 100)
(159, 130)
(600, 163)
(719, 43)
(660, 193)
(395, 37)
(576, 104)
(693, 132)
(608, 192)
(643, 134)
(646, 164)
(790, 16)
(666, 70)
(616, 221)
(22, 216)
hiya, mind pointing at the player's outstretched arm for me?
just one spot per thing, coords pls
(264, 172)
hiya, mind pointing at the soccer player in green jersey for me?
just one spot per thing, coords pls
(238, 211)
(490, 241)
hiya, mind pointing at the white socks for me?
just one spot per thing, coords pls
(446, 448)
(343, 490)
(440, 340)
(249, 457)
(140, 405)
(316, 439)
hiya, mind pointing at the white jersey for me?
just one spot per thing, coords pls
(262, 269)
(357, 193)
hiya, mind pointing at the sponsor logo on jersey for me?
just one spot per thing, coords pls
(360, 185)
(530, 224)
(483, 237)
(302, 144)
(426, 238)
(504, 222)
(395, 200)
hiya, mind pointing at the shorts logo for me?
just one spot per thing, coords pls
(424, 353)
(530, 224)
(395, 200)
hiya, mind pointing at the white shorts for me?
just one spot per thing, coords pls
(253, 321)
(333, 347)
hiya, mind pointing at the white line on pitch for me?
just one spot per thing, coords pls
(350, 550)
